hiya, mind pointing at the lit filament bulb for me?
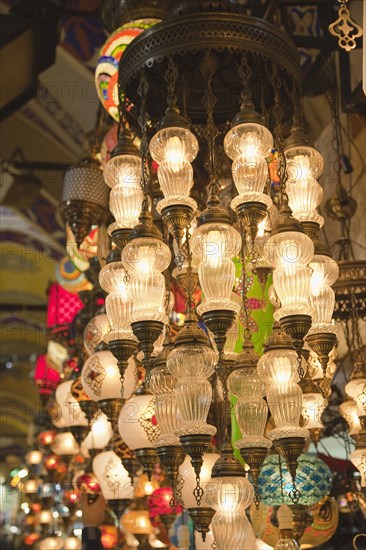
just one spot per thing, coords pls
(250, 146)
(214, 249)
(175, 153)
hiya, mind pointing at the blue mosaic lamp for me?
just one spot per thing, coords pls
(313, 480)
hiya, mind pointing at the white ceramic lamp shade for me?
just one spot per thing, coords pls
(187, 472)
(70, 408)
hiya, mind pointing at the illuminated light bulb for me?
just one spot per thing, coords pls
(125, 170)
(188, 474)
(348, 410)
(30, 486)
(95, 331)
(100, 377)
(112, 476)
(51, 543)
(69, 406)
(356, 387)
(45, 517)
(358, 459)
(65, 444)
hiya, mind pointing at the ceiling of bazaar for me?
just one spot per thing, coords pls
(52, 127)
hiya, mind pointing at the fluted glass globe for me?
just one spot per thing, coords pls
(213, 243)
(173, 145)
(162, 385)
(229, 494)
(143, 255)
(125, 203)
(249, 140)
(348, 410)
(147, 291)
(192, 360)
(123, 169)
(288, 248)
(279, 367)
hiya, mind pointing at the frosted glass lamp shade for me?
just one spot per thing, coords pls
(100, 377)
(229, 494)
(213, 243)
(112, 476)
(313, 405)
(137, 424)
(357, 390)
(348, 410)
(358, 459)
(95, 331)
(187, 472)
(69, 406)
(278, 367)
(33, 458)
(125, 204)
(65, 444)
(99, 435)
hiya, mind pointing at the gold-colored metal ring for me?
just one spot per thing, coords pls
(355, 540)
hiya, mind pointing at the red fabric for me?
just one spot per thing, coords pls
(62, 306)
(45, 377)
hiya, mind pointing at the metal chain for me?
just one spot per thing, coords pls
(245, 73)
(209, 100)
(142, 90)
(170, 77)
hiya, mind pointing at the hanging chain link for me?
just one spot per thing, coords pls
(170, 77)
(142, 90)
(209, 101)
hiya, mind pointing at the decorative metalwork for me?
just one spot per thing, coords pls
(95, 375)
(345, 29)
(146, 421)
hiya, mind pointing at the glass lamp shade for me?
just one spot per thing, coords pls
(287, 249)
(148, 296)
(137, 424)
(285, 404)
(65, 444)
(51, 543)
(217, 282)
(45, 377)
(304, 192)
(322, 302)
(313, 405)
(33, 458)
(357, 390)
(230, 530)
(325, 271)
(162, 385)
(250, 174)
(192, 364)
(313, 480)
(125, 204)
(124, 171)
(145, 255)
(95, 331)
(303, 162)
(52, 462)
(187, 472)
(278, 367)
(213, 243)
(358, 459)
(292, 284)
(348, 410)
(112, 476)
(57, 354)
(100, 377)
(252, 417)
(229, 494)
(45, 517)
(174, 149)
(174, 145)
(85, 182)
(69, 406)
(191, 360)
(88, 483)
(72, 543)
(99, 435)
(137, 522)
(119, 311)
(246, 384)
(249, 140)
(29, 486)
(112, 279)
